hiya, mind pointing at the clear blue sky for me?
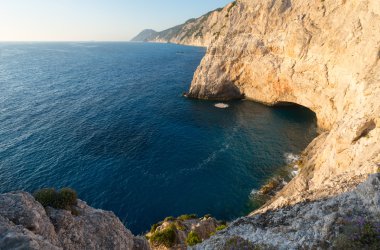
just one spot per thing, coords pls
(99, 20)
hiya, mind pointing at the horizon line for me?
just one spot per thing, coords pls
(61, 41)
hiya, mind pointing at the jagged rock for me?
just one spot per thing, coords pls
(140, 243)
(307, 225)
(91, 228)
(14, 236)
(25, 224)
(21, 209)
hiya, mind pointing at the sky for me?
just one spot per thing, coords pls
(94, 20)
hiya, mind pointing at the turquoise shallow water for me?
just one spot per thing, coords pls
(108, 120)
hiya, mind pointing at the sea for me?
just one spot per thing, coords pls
(109, 120)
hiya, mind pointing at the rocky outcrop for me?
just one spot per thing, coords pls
(175, 231)
(348, 221)
(200, 31)
(323, 55)
(25, 224)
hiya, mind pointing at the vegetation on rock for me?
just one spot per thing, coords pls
(360, 233)
(187, 217)
(66, 198)
(193, 239)
(221, 227)
(169, 218)
(154, 227)
(165, 237)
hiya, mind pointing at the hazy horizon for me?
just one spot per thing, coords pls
(93, 20)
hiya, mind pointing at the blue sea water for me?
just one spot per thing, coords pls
(108, 120)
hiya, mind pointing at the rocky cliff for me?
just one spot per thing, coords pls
(348, 221)
(200, 31)
(25, 224)
(323, 55)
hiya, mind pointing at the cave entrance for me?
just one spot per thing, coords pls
(296, 110)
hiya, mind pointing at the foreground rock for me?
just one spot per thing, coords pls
(186, 230)
(348, 221)
(323, 55)
(25, 224)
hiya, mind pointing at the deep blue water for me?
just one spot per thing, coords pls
(108, 120)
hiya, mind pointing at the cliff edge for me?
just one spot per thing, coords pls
(323, 55)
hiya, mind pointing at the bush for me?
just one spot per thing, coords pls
(221, 227)
(169, 218)
(154, 227)
(67, 198)
(187, 217)
(49, 197)
(193, 239)
(165, 237)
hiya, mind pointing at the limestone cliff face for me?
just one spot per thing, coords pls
(323, 55)
(200, 31)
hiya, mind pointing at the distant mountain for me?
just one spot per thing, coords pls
(145, 35)
(197, 31)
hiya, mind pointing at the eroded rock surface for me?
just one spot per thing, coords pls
(307, 225)
(25, 224)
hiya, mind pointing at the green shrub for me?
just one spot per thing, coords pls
(154, 227)
(221, 227)
(169, 218)
(165, 237)
(67, 198)
(49, 197)
(187, 217)
(193, 239)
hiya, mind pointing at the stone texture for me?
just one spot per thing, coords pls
(21, 209)
(308, 225)
(25, 224)
(92, 229)
(323, 55)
